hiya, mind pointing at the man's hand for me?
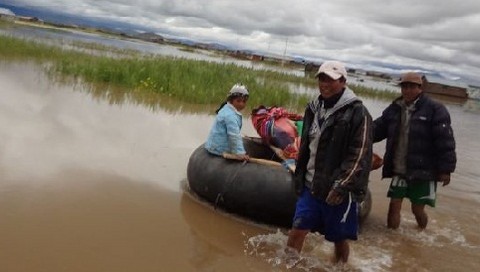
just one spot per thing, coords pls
(334, 198)
(445, 178)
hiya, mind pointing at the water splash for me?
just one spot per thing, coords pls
(377, 249)
(315, 256)
(436, 235)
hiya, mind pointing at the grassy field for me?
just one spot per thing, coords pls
(188, 81)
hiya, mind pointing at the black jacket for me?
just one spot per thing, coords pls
(431, 145)
(343, 155)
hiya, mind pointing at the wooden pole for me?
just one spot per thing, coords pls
(230, 156)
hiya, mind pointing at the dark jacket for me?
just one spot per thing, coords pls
(431, 145)
(344, 152)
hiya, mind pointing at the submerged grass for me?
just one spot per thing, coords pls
(191, 81)
(14, 48)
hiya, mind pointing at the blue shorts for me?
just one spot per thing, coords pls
(315, 214)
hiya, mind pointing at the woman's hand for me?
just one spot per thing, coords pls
(242, 157)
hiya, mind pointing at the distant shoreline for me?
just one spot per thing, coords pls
(205, 84)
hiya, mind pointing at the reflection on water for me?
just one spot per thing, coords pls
(50, 128)
(154, 101)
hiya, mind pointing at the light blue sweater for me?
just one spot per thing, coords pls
(225, 133)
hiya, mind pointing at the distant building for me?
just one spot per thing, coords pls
(6, 15)
(378, 75)
(441, 86)
(361, 72)
(299, 60)
(29, 19)
(238, 54)
(150, 37)
(257, 57)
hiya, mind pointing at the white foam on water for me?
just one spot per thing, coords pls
(316, 254)
(435, 235)
(375, 249)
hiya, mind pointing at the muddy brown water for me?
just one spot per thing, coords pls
(87, 185)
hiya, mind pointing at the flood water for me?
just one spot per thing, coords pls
(87, 185)
(91, 183)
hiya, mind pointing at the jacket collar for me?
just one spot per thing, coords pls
(418, 102)
(347, 97)
(234, 109)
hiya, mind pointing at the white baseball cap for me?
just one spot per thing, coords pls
(238, 89)
(333, 69)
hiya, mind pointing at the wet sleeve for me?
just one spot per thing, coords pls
(380, 128)
(235, 142)
(357, 162)
(444, 140)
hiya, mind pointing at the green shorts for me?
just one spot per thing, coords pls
(419, 192)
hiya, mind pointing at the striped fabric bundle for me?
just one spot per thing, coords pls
(278, 127)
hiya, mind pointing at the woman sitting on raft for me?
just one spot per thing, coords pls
(225, 134)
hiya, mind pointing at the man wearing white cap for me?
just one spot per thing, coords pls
(333, 165)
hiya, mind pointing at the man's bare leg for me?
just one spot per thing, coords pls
(420, 215)
(393, 220)
(342, 251)
(296, 238)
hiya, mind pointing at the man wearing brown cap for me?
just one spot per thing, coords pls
(333, 165)
(420, 149)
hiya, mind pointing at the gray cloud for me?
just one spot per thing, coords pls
(435, 34)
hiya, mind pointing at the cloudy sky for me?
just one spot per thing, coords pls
(435, 35)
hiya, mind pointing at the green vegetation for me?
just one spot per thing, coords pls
(13, 48)
(186, 49)
(103, 48)
(191, 81)
(373, 93)
(153, 78)
(4, 23)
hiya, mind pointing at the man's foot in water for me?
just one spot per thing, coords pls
(292, 258)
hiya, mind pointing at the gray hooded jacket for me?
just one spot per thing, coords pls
(336, 154)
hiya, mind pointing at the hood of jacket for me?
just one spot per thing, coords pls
(347, 98)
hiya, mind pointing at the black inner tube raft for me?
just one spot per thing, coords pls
(264, 194)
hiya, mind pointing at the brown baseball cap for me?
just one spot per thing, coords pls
(411, 77)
